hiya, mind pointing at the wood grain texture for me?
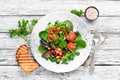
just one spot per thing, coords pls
(101, 73)
(11, 22)
(107, 58)
(102, 57)
(107, 24)
(42, 7)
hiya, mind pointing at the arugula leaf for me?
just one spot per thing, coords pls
(22, 30)
(42, 49)
(43, 35)
(77, 12)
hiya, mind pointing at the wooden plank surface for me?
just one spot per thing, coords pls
(107, 58)
(107, 24)
(40, 7)
(101, 73)
(102, 57)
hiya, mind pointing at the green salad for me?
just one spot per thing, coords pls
(59, 43)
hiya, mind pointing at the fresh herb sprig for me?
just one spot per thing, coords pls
(24, 29)
(77, 12)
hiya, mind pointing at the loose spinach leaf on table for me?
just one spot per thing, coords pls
(77, 12)
(25, 28)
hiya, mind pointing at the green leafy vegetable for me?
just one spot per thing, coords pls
(78, 38)
(61, 25)
(52, 59)
(77, 53)
(43, 35)
(65, 61)
(77, 12)
(61, 46)
(80, 43)
(33, 23)
(47, 57)
(42, 49)
(57, 61)
(69, 25)
(23, 30)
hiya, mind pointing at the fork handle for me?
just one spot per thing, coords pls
(92, 65)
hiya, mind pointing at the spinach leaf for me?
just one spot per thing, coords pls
(42, 49)
(79, 37)
(43, 35)
(81, 44)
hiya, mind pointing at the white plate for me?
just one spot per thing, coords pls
(77, 22)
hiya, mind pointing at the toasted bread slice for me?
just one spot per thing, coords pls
(24, 60)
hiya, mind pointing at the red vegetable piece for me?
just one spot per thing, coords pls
(71, 36)
(71, 46)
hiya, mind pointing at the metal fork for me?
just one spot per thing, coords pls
(88, 61)
(98, 39)
(95, 42)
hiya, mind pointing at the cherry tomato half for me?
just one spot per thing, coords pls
(71, 46)
(71, 36)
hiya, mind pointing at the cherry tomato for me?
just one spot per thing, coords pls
(51, 31)
(71, 36)
(71, 46)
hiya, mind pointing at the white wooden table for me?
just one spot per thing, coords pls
(107, 59)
